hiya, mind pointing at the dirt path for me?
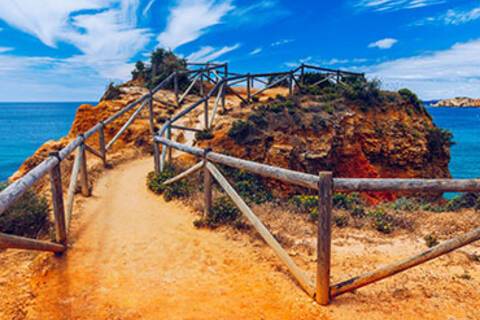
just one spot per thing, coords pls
(136, 257)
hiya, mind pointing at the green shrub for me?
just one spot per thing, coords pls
(382, 221)
(341, 221)
(358, 212)
(437, 140)
(223, 211)
(411, 97)
(258, 119)
(405, 204)
(347, 201)
(431, 240)
(204, 135)
(26, 216)
(178, 189)
(304, 202)
(240, 131)
(467, 200)
(113, 92)
(249, 186)
(366, 92)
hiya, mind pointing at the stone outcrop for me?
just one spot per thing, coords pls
(459, 102)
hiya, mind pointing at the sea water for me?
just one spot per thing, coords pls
(26, 126)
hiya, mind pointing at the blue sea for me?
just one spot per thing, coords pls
(26, 126)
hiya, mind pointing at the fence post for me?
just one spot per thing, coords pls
(249, 93)
(324, 232)
(202, 90)
(169, 137)
(156, 150)
(84, 171)
(302, 74)
(175, 87)
(101, 142)
(57, 201)
(207, 186)
(224, 87)
(206, 113)
(290, 85)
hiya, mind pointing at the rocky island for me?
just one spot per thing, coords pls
(458, 102)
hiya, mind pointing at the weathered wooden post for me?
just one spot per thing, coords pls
(249, 93)
(202, 89)
(175, 87)
(325, 187)
(338, 76)
(57, 201)
(101, 142)
(83, 170)
(224, 87)
(206, 112)
(169, 137)
(207, 186)
(290, 84)
(156, 149)
(302, 74)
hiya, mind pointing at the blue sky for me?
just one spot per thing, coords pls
(68, 50)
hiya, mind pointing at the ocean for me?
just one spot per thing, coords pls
(26, 126)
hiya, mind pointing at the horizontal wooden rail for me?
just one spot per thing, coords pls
(126, 125)
(390, 270)
(8, 241)
(339, 184)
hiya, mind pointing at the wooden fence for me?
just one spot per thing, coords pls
(224, 83)
(323, 291)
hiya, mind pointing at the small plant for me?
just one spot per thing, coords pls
(465, 201)
(411, 97)
(204, 135)
(437, 140)
(304, 202)
(249, 186)
(26, 216)
(431, 240)
(258, 119)
(341, 221)
(240, 131)
(177, 189)
(382, 221)
(346, 201)
(465, 275)
(113, 92)
(405, 204)
(358, 212)
(366, 92)
(223, 211)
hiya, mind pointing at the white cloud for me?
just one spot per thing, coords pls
(293, 64)
(452, 17)
(209, 54)
(386, 43)
(107, 35)
(189, 19)
(148, 7)
(281, 42)
(256, 51)
(395, 5)
(5, 49)
(447, 73)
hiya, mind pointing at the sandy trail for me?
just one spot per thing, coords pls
(135, 256)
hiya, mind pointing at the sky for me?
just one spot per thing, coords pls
(69, 50)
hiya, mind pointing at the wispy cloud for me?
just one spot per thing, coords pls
(386, 43)
(189, 19)
(293, 64)
(147, 8)
(395, 5)
(209, 54)
(256, 51)
(452, 17)
(5, 49)
(103, 30)
(258, 13)
(442, 74)
(281, 42)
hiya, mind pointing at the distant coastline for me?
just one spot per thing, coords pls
(458, 102)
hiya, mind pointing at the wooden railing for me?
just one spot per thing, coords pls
(325, 184)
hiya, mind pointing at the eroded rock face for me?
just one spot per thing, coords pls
(305, 134)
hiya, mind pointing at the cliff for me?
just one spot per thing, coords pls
(459, 102)
(387, 136)
(363, 133)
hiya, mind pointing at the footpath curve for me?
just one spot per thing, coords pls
(135, 256)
